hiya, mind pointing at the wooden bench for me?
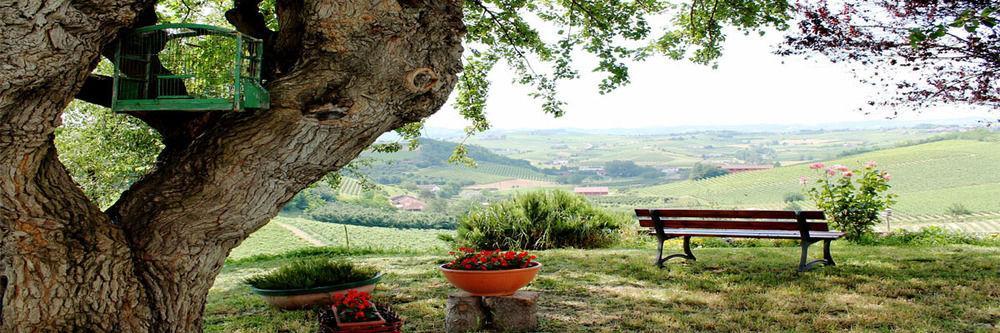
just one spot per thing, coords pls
(808, 226)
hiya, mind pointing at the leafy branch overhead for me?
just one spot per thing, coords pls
(914, 54)
(541, 41)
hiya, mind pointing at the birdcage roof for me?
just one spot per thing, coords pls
(200, 29)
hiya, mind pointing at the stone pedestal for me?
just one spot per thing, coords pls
(514, 313)
(464, 313)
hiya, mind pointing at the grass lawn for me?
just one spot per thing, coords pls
(953, 288)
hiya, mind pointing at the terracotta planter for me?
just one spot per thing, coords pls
(294, 299)
(358, 325)
(491, 283)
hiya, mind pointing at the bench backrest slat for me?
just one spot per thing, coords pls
(730, 224)
(734, 219)
(735, 214)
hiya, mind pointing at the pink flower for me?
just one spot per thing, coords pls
(816, 166)
(886, 176)
(803, 180)
(871, 165)
(831, 172)
(848, 174)
(840, 168)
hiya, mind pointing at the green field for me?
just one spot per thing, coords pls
(353, 187)
(332, 234)
(686, 149)
(482, 173)
(948, 288)
(270, 239)
(928, 179)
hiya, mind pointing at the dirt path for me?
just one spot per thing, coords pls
(302, 234)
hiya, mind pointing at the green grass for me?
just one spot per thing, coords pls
(952, 288)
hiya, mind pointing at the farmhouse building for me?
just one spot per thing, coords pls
(429, 187)
(408, 203)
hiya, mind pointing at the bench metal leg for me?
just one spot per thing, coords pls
(660, 259)
(826, 253)
(659, 252)
(827, 259)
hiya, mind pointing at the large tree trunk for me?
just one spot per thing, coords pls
(350, 71)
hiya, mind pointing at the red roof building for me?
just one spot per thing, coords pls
(591, 191)
(734, 168)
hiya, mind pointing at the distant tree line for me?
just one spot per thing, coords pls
(345, 213)
(705, 171)
(630, 169)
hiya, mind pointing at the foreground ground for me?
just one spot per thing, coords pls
(953, 288)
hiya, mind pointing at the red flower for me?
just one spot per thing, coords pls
(485, 260)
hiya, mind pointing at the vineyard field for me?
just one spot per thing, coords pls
(509, 172)
(352, 187)
(928, 178)
(332, 234)
(684, 149)
(275, 239)
(483, 173)
(270, 239)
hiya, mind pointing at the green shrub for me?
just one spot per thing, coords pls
(311, 274)
(958, 210)
(929, 236)
(794, 196)
(540, 220)
(852, 199)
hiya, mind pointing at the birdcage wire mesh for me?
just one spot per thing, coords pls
(177, 63)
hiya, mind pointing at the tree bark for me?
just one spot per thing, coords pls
(358, 69)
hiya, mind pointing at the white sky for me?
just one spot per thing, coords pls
(750, 86)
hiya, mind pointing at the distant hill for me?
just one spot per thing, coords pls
(436, 153)
(429, 164)
(927, 177)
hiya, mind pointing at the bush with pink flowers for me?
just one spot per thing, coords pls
(853, 199)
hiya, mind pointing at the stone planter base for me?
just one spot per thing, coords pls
(515, 313)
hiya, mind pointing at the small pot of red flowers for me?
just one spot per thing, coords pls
(490, 272)
(354, 309)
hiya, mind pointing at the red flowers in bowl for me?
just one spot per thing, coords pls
(355, 308)
(467, 259)
(490, 272)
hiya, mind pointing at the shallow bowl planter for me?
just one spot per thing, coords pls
(294, 299)
(491, 283)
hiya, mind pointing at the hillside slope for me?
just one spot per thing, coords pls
(928, 179)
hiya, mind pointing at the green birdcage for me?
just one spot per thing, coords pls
(188, 67)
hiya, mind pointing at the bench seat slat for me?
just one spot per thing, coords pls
(749, 233)
(751, 225)
(718, 213)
